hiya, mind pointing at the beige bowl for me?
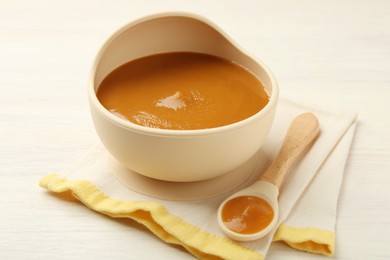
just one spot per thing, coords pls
(178, 155)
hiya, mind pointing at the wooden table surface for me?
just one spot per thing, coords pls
(330, 54)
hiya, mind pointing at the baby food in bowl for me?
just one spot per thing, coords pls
(173, 98)
(182, 91)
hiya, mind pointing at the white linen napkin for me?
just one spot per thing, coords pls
(308, 198)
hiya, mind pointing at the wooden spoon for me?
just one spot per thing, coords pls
(300, 136)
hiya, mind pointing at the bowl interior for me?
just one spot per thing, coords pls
(173, 33)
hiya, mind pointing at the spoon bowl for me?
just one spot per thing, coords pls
(261, 189)
(300, 136)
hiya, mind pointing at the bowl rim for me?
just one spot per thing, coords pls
(178, 132)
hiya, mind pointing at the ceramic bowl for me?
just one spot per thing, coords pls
(178, 155)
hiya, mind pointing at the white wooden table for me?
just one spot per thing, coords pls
(332, 54)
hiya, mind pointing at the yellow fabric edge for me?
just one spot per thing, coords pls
(310, 239)
(155, 217)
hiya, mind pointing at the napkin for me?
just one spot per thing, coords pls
(307, 200)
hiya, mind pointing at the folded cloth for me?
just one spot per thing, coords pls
(307, 200)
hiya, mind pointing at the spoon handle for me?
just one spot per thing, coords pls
(300, 136)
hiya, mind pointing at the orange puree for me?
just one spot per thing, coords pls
(247, 214)
(182, 90)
